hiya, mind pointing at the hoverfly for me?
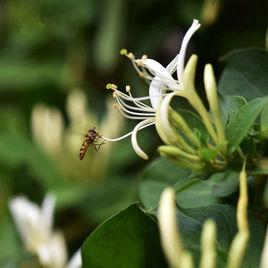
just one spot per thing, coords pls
(91, 137)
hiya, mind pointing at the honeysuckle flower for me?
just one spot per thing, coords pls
(161, 82)
(170, 124)
(35, 226)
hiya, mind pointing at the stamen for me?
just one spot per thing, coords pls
(138, 103)
(132, 117)
(138, 108)
(126, 135)
(134, 113)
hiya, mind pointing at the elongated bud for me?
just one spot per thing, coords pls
(213, 100)
(208, 257)
(240, 242)
(170, 237)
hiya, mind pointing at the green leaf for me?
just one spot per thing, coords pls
(160, 174)
(246, 73)
(128, 239)
(201, 193)
(239, 127)
(230, 106)
(224, 183)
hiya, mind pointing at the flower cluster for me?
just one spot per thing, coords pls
(182, 143)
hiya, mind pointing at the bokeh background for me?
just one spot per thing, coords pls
(56, 56)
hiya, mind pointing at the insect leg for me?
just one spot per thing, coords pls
(98, 145)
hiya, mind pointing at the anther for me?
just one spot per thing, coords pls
(111, 86)
(131, 56)
(123, 52)
(127, 88)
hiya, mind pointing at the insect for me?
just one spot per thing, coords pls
(91, 137)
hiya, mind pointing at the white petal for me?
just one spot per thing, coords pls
(76, 260)
(154, 91)
(172, 66)
(53, 253)
(26, 216)
(160, 71)
(180, 66)
(134, 141)
(48, 208)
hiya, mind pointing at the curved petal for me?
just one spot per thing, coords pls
(134, 141)
(155, 91)
(26, 216)
(48, 207)
(180, 66)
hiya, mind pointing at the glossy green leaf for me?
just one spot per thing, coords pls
(128, 239)
(239, 127)
(245, 74)
(224, 183)
(230, 106)
(157, 176)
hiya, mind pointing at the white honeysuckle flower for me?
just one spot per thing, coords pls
(163, 79)
(160, 79)
(35, 225)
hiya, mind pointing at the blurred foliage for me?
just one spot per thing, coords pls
(49, 48)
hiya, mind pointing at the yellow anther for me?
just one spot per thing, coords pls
(123, 51)
(127, 88)
(111, 86)
(129, 55)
